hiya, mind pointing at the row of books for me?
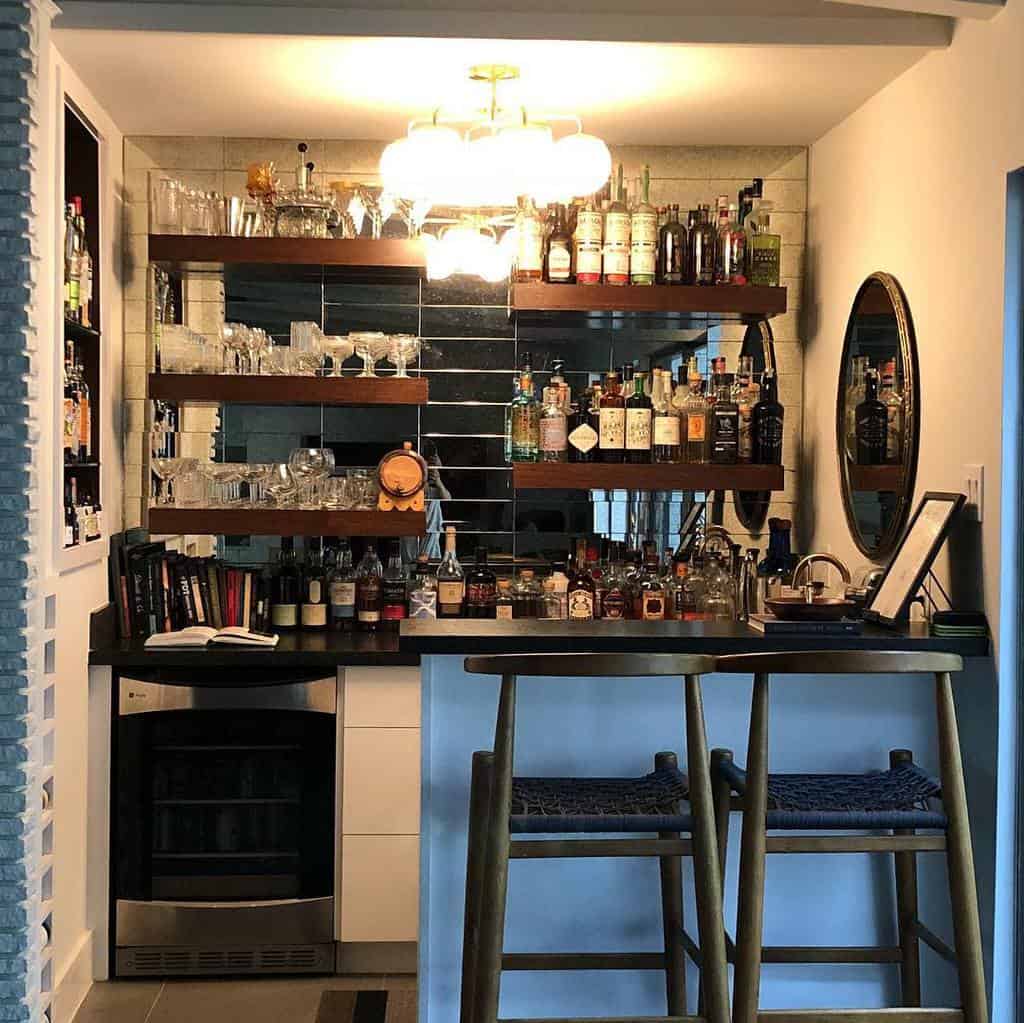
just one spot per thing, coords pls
(157, 590)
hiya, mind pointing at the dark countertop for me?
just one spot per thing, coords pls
(425, 637)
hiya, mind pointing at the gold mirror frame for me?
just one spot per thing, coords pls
(911, 419)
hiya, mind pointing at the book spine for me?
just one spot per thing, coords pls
(216, 617)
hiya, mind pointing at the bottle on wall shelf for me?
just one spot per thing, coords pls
(524, 422)
(616, 236)
(643, 235)
(530, 243)
(558, 250)
(764, 248)
(767, 420)
(587, 243)
(451, 580)
(723, 444)
(665, 425)
(481, 588)
(872, 424)
(369, 591)
(612, 419)
(639, 410)
(552, 427)
(703, 239)
(695, 411)
(672, 249)
(423, 590)
(314, 587)
(341, 591)
(394, 594)
(582, 437)
(284, 604)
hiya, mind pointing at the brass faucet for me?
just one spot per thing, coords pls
(810, 560)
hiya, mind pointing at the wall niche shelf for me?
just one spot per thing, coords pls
(76, 331)
(282, 390)
(597, 476)
(285, 522)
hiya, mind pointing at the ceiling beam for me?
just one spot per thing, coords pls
(408, 19)
(979, 9)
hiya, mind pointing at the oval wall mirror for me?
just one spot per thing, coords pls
(878, 415)
(751, 506)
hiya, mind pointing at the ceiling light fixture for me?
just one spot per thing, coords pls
(493, 155)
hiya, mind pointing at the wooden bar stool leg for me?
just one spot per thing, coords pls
(671, 868)
(476, 861)
(962, 886)
(487, 986)
(750, 913)
(905, 864)
(707, 881)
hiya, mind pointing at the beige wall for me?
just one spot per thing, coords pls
(684, 174)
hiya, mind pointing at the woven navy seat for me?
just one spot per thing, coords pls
(897, 798)
(596, 805)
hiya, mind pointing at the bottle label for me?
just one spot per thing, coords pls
(642, 260)
(314, 615)
(84, 424)
(581, 605)
(69, 536)
(558, 263)
(638, 429)
(583, 438)
(313, 591)
(423, 604)
(531, 243)
(613, 429)
(481, 594)
(652, 605)
(613, 606)
(644, 229)
(449, 594)
(696, 426)
(284, 616)
(394, 612)
(616, 261)
(343, 600)
(616, 230)
(769, 439)
(369, 616)
(764, 264)
(588, 259)
(503, 612)
(893, 434)
(589, 227)
(745, 446)
(552, 434)
(70, 426)
(666, 430)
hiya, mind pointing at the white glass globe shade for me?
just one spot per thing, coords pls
(526, 152)
(583, 164)
(418, 166)
(487, 180)
(439, 266)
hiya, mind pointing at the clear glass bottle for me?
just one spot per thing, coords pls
(702, 248)
(672, 249)
(451, 580)
(552, 428)
(639, 413)
(549, 606)
(588, 243)
(643, 235)
(616, 237)
(525, 422)
(558, 255)
(765, 248)
(695, 409)
(561, 583)
(718, 602)
(731, 258)
(767, 421)
(615, 601)
(525, 595)
(529, 243)
(369, 591)
(423, 590)
(503, 600)
(612, 420)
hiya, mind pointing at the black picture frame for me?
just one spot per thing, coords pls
(925, 535)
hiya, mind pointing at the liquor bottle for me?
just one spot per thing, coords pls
(854, 396)
(581, 591)
(314, 588)
(665, 428)
(72, 264)
(481, 588)
(561, 582)
(84, 417)
(872, 424)
(893, 402)
(616, 237)
(612, 420)
(525, 421)
(341, 591)
(557, 380)
(767, 422)
(745, 402)
(85, 268)
(749, 200)
(725, 423)
(765, 248)
(71, 536)
(639, 412)
(588, 242)
(394, 597)
(423, 590)
(702, 248)
(615, 600)
(451, 580)
(503, 601)
(775, 570)
(530, 242)
(369, 591)
(650, 589)
(582, 437)
(526, 596)
(558, 257)
(643, 235)
(90, 523)
(672, 249)
(695, 410)
(731, 251)
(553, 427)
(549, 606)
(284, 607)
(71, 429)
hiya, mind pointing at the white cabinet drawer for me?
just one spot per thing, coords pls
(382, 697)
(381, 781)
(380, 891)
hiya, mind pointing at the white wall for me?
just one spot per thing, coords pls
(914, 183)
(79, 590)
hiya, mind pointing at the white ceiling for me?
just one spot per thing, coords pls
(175, 83)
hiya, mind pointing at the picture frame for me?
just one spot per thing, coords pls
(925, 535)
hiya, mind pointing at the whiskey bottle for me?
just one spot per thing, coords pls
(616, 237)
(612, 418)
(665, 428)
(643, 234)
(672, 246)
(702, 248)
(503, 601)
(638, 421)
(725, 423)
(70, 425)
(615, 599)
(767, 421)
(558, 258)
(369, 591)
(451, 582)
(284, 609)
(525, 421)
(695, 411)
(481, 588)
(71, 535)
(394, 593)
(84, 417)
(745, 401)
(552, 428)
(341, 591)
(650, 589)
(765, 248)
(529, 244)
(854, 396)
(423, 590)
(872, 424)
(582, 438)
(581, 590)
(893, 402)
(588, 242)
(313, 614)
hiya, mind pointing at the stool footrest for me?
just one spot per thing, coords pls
(572, 848)
(831, 954)
(854, 843)
(583, 961)
(607, 1019)
(860, 1016)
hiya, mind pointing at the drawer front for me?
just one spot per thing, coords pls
(382, 697)
(379, 888)
(381, 781)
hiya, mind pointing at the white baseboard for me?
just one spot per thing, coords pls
(74, 982)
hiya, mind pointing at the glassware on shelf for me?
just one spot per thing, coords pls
(337, 349)
(278, 360)
(363, 488)
(224, 478)
(166, 206)
(403, 349)
(307, 346)
(310, 467)
(255, 475)
(371, 346)
(337, 493)
(163, 469)
(281, 485)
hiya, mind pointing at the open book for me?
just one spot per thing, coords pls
(201, 635)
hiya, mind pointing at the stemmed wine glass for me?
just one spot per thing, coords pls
(337, 349)
(233, 337)
(403, 349)
(371, 346)
(310, 466)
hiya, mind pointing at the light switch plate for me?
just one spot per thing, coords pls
(974, 490)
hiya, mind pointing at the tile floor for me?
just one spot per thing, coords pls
(257, 1000)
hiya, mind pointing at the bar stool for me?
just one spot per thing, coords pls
(899, 802)
(502, 805)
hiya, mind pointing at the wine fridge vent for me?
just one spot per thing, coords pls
(191, 962)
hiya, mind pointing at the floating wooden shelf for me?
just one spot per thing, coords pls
(596, 476)
(299, 390)
(716, 304)
(384, 256)
(882, 479)
(285, 522)
(77, 332)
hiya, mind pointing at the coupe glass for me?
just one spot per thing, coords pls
(403, 349)
(225, 477)
(371, 346)
(310, 467)
(281, 485)
(337, 349)
(164, 470)
(256, 476)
